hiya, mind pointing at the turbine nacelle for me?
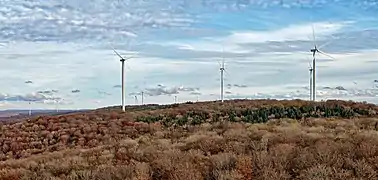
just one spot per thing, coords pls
(315, 50)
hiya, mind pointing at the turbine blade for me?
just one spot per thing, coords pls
(129, 58)
(328, 42)
(117, 53)
(226, 71)
(309, 62)
(128, 66)
(220, 65)
(321, 52)
(313, 34)
(222, 56)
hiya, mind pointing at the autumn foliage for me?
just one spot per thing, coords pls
(240, 139)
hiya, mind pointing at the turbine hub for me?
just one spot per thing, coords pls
(122, 60)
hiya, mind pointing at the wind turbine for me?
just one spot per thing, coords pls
(30, 109)
(122, 77)
(140, 91)
(314, 51)
(222, 70)
(57, 101)
(29, 101)
(136, 100)
(142, 97)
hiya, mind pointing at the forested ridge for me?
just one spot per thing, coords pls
(238, 139)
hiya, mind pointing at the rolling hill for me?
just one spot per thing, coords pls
(239, 139)
(19, 114)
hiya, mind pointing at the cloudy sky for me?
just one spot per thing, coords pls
(60, 51)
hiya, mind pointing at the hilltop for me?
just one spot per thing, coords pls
(238, 139)
(20, 114)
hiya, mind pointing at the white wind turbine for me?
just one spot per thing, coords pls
(57, 102)
(29, 101)
(222, 70)
(140, 91)
(30, 109)
(136, 100)
(314, 51)
(142, 94)
(122, 77)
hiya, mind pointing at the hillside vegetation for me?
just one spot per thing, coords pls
(239, 139)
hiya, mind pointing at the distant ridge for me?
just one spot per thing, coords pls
(6, 115)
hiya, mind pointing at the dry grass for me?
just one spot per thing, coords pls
(115, 147)
(282, 149)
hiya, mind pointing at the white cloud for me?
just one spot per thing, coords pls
(233, 42)
(93, 70)
(290, 33)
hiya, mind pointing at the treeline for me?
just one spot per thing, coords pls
(261, 114)
(55, 133)
(139, 107)
(20, 139)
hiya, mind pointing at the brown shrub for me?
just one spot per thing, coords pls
(174, 164)
(108, 144)
(244, 167)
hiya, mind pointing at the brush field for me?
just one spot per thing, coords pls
(239, 139)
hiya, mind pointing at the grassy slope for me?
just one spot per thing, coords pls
(236, 140)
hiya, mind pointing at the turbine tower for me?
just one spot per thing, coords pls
(222, 72)
(310, 70)
(314, 51)
(29, 101)
(122, 77)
